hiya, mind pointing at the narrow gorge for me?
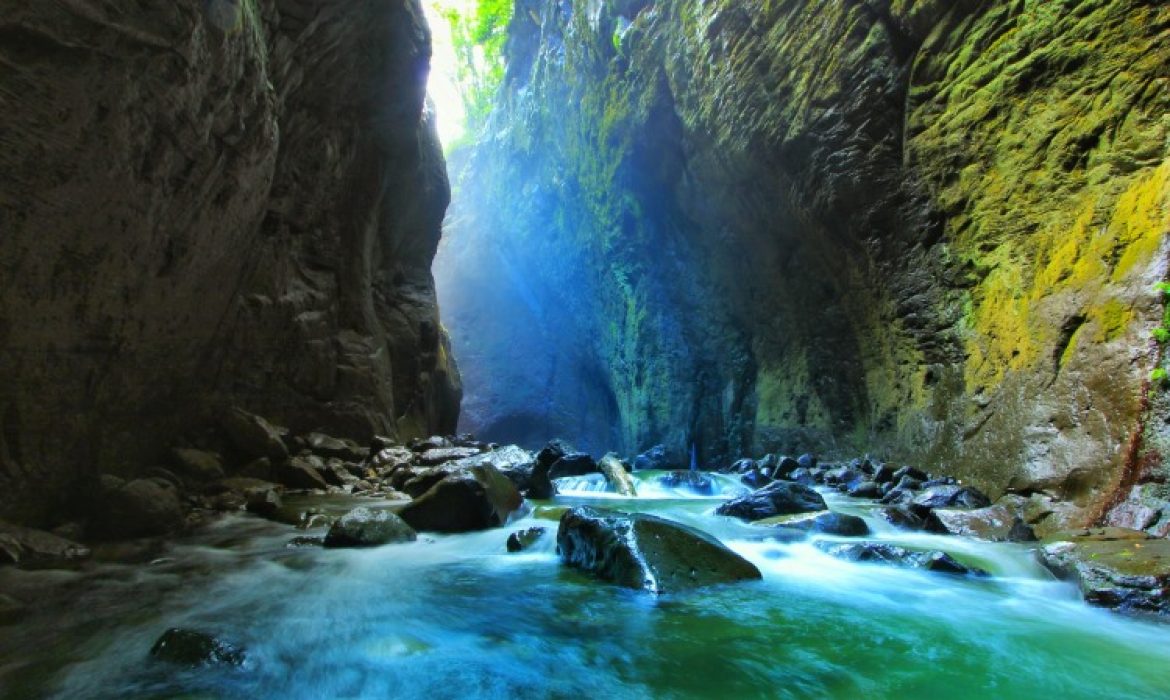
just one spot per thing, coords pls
(624, 348)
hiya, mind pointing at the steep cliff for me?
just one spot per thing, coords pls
(207, 204)
(927, 230)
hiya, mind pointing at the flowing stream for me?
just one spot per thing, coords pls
(459, 617)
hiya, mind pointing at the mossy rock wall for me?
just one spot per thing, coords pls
(924, 230)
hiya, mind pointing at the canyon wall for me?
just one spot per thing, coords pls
(209, 204)
(928, 231)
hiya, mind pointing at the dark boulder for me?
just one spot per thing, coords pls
(779, 498)
(785, 467)
(826, 523)
(806, 461)
(645, 552)
(1125, 570)
(337, 448)
(573, 464)
(939, 481)
(526, 472)
(197, 465)
(523, 539)
(865, 489)
(755, 479)
(881, 553)
(884, 474)
(253, 436)
(912, 472)
(949, 497)
(898, 496)
(300, 473)
(742, 466)
(368, 527)
(191, 648)
(908, 483)
(138, 508)
(434, 442)
(473, 498)
(842, 476)
(655, 458)
(265, 502)
(903, 517)
(685, 480)
(803, 476)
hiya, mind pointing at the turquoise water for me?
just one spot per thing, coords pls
(459, 617)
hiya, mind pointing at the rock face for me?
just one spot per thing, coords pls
(1125, 570)
(645, 552)
(204, 209)
(929, 229)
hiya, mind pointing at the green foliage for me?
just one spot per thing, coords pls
(1161, 334)
(1162, 288)
(479, 38)
(1159, 376)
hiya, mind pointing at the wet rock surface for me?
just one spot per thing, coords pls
(523, 539)
(1125, 570)
(616, 474)
(368, 527)
(694, 481)
(472, 498)
(779, 498)
(880, 553)
(193, 648)
(646, 552)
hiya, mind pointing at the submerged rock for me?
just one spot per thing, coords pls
(695, 482)
(779, 498)
(877, 552)
(1125, 570)
(523, 539)
(474, 498)
(192, 648)
(368, 527)
(617, 476)
(645, 552)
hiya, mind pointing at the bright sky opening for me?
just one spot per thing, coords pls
(443, 84)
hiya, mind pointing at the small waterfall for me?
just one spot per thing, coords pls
(694, 458)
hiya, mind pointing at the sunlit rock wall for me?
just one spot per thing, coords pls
(205, 204)
(925, 230)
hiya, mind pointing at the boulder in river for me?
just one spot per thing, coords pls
(617, 476)
(192, 648)
(654, 458)
(31, 548)
(949, 496)
(778, 498)
(1125, 570)
(338, 448)
(473, 498)
(646, 552)
(440, 455)
(997, 523)
(865, 489)
(785, 466)
(686, 480)
(829, 523)
(573, 464)
(524, 470)
(755, 479)
(881, 553)
(368, 527)
(523, 539)
(300, 473)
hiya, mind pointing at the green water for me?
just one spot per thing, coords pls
(458, 617)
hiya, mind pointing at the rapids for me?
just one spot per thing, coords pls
(458, 617)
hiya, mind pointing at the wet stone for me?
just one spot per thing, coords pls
(192, 648)
(523, 539)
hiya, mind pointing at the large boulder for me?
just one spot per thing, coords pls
(254, 436)
(138, 508)
(997, 523)
(300, 473)
(1125, 570)
(31, 548)
(949, 496)
(617, 476)
(193, 648)
(826, 523)
(368, 527)
(525, 471)
(197, 465)
(779, 498)
(337, 448)
(472, 498)
(441, 455)
(645, 552)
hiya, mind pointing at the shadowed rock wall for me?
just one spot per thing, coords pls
(208, 204)
(927, 230)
